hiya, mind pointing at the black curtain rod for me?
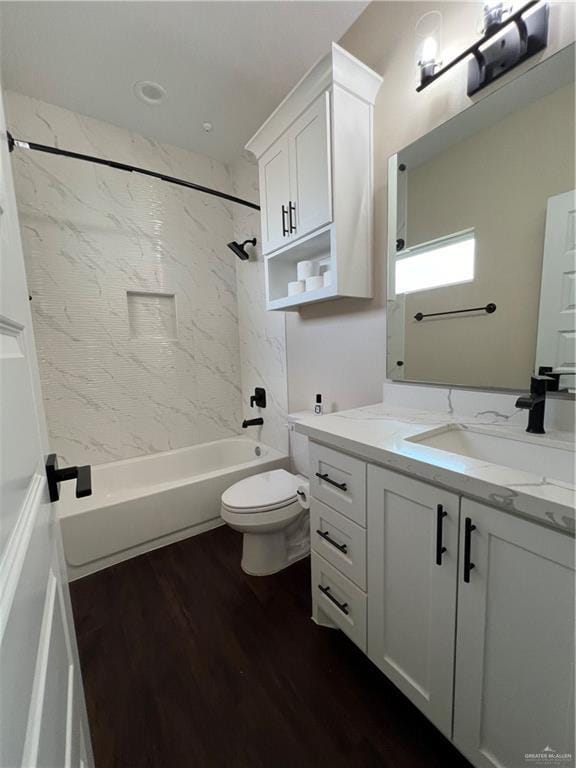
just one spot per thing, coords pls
(12, 143)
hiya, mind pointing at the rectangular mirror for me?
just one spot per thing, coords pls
(482, 226)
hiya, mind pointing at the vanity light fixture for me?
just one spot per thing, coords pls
(427, 61)
(428, 44)
(493, 15)
(507, 41)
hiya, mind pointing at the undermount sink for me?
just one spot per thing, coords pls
(553, 461)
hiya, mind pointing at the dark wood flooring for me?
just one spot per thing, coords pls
(187, 661)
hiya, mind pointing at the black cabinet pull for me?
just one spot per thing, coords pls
(440, 515)
(285, 230)
(341, 486)
(292, 210)
(55, 476)
(468, 565)
(326, 536)
(341, 606)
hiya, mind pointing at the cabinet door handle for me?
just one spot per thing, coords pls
(292, 210)
(468, 564)
(341, 486)
(285, 230)
(326, 536)
(440, 515)
(341, 606)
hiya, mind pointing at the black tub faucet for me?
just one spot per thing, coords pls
(535, 404)
(252, 423)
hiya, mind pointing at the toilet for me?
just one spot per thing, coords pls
(270, 510)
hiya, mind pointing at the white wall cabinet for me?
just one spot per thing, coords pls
(469, 610)
(412, 577)
(275, 185)
(514, 692)
(315, 165)
(295, 179)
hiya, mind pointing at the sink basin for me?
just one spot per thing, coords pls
(554, 461)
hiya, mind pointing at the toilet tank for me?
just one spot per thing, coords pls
(299, 457)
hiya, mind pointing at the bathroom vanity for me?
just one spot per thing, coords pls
(440, 549)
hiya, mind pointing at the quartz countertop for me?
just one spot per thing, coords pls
(377, 433)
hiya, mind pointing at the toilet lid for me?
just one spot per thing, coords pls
(267, 490)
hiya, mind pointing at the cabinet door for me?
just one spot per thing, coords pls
(310, 177)
(275, 195)
(412, 588)
(514, 692)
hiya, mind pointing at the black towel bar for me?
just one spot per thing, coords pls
(489, 309)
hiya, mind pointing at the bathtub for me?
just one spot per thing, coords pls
(147, 502)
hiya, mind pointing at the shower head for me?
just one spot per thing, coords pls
(238, 248)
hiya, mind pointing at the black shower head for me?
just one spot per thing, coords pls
(238, 248)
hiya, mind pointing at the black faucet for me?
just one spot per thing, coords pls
(535, 403)
(252, 423)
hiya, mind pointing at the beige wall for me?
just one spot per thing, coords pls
(498, 182)
(338, 348)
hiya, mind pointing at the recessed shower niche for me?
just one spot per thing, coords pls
(152, 315)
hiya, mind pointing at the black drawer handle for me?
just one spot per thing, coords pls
(440, 515)
(342, 486)
(326, 536)
(341, 606)
(285, 230)
(468, 564)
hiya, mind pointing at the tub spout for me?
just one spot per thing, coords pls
(252, 423)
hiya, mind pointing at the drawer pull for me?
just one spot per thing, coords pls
(440, 515)
(324, 476)
(326, 536)
(285, 230)
(468, 564)
(341, 606)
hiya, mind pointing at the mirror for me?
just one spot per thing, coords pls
(482, 223)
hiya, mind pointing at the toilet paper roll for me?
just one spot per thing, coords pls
(297, 286)
(327, 278)
(313, 283)
(304, 269)
(303, 493)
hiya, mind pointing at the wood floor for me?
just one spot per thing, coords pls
(187, 661)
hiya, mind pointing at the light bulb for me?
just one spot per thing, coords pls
(429, 51)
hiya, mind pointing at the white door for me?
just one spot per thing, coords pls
(412, 560)
(556, 344)
(514, 692)
(42, 713)
(274, 169)
(310, 169)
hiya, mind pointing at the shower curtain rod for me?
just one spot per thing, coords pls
(12, 143)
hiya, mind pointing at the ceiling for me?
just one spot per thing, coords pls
(229, 63)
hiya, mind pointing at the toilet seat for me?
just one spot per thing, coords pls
(265, 492)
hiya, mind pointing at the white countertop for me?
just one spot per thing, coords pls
(378, 434)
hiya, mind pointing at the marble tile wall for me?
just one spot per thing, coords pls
(98, 242)
(262, 333)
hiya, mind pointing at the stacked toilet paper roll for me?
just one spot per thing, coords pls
(304, 269)
(303, 493)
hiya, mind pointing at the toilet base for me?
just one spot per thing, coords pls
(264, 553)
(257, 559)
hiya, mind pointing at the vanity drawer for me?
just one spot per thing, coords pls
(342, 602)
(339, 481)
(339, 540)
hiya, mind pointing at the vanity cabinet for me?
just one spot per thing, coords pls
(412, 560)
(514, 682)
(468, 609)
(315, 157)
(295, 179)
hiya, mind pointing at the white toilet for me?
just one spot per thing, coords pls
(267, 509)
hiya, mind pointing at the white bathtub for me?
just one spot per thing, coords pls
(146, 502)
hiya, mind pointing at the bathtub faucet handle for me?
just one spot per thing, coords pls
(55, 476)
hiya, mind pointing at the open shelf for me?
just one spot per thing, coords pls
(281, 268)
